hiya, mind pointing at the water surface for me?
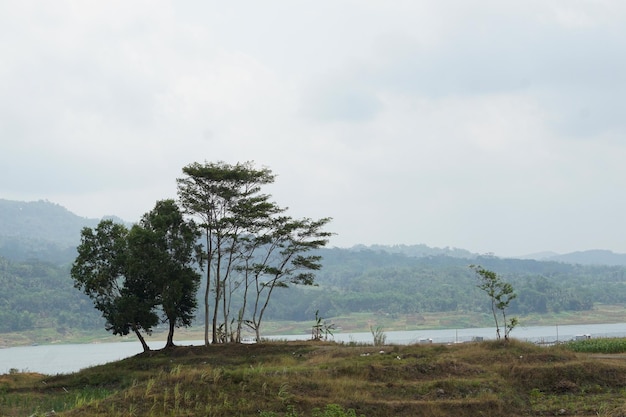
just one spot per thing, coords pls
(55, 359)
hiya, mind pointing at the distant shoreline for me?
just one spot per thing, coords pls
(353, 323)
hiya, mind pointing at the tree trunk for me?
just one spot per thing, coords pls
(206, 290)
(206, 306)
(225, 311)
(170, 334)
(495, 318)
(216, 309)
(145, 346)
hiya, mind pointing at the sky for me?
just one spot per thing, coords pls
(493, 126)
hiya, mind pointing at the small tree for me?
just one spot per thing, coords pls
(380, 338)
(500, 294)
(322, 328)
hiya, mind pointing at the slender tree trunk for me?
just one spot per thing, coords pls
(242, 311)
(207, 288)
(206, 308)
(145, 346)
(257, 332)
(170, 334)
(218, 285)
(216, 307)
(495, 318)
(225, 310)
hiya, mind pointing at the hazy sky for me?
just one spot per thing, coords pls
(489, 125)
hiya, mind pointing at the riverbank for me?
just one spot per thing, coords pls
(352, 323)
(294, 378)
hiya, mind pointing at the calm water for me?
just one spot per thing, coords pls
(55, 359)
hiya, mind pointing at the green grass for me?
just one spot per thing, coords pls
(319, 379)
(608, 345)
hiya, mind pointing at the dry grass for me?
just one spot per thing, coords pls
(294, 378)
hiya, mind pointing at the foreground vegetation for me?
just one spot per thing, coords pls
(327, 379)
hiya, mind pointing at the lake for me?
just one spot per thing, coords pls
(55, 359)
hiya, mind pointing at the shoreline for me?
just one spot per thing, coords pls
(353, 323)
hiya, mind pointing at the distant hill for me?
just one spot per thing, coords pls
(590, 257)
(419, 250)
(39, 239)
(40, 230)
(47, 231)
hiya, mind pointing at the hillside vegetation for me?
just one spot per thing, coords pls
(40, 297)
(325, 379)
(40, 230)
(387, 284)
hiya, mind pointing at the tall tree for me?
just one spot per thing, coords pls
(163, 251)
(100, 271)
(279, 258)
(500, 295)
(226, 200)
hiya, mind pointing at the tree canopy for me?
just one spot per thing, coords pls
(129, 275)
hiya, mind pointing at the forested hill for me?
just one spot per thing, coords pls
(419, 250)
(378, 281)
(38, 244)
(40, 295)
(40, 230)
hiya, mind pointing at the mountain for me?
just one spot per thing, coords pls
(49, 232)
(539, 256)
(591, 257)
(418, 251)
(40, 230)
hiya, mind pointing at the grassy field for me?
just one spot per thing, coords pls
(321, 379)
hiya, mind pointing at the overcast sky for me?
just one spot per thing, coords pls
(488, 125)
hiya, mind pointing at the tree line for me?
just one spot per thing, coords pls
(40, 295)
(222, 225)
(37, 294)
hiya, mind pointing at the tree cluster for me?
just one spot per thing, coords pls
(251, 247)
(223, 225)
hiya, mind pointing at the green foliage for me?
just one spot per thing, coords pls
(162, 253)
(101, 271)
(331, 410)
(352, 280)
(501, 294)
(250, 247)
(129, 274)
(609, 345)
(322, 328)
(36, 294)
(334, 410)
(379, 336)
